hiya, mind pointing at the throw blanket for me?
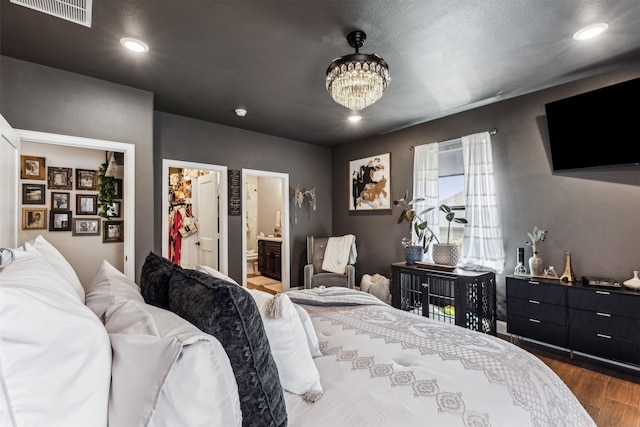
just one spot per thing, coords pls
(340, 251)
(333, 296)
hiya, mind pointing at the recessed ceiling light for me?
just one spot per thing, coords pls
(241, 112)
(590, 31)
(134, 44)
(355, 117)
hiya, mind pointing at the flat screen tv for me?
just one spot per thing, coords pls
(599, 128)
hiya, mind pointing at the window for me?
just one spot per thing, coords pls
(451, 188)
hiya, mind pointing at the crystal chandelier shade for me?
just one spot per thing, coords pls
(358, 80)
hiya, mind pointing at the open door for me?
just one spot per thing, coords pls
(9, 173)
(205, 200)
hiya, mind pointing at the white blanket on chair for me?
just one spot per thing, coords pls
(340, 251)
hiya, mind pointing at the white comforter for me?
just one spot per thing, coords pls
(385, 367)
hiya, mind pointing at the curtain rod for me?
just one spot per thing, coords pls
(491, 132)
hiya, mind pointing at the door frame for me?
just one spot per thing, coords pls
(223, 218)
(129, 181)
(284, 212)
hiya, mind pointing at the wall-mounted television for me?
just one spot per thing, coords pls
(599, 128)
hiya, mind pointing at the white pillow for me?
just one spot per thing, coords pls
(110, 286)
(309, 330)
(288, 341)
(215, 273)
(54, 353)
(59, 262)
(166, 372)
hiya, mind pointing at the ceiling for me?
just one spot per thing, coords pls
(207, 58)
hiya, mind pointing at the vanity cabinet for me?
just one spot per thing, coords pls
(461, 297)
(269, 258)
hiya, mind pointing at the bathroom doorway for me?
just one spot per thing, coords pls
(265, 221)
(194, 216)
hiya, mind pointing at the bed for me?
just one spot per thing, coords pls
(193, 348)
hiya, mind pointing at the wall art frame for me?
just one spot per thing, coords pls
(34, 218)
(113, 231)
(370, 183)
(85, 227)
(86, 179)
(33, 194)
(59, 178)
(117, 194)
(86, 204)
(32, 167)
(60, 220)
(60, 201)
(114, 209)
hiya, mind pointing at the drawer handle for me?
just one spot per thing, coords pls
(604, 336)
(603, 293)
(603, 314)
(534, 320)
(532, 301)
(534, 283)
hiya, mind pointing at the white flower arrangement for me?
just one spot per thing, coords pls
(537, 236)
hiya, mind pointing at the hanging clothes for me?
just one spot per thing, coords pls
(182, 230)
(175, 239)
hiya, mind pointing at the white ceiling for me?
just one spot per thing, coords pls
(207, 58)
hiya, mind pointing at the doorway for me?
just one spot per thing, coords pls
(195, 195)
(265, 222)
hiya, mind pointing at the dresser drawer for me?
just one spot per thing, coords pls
(537, 330)
(533, 289)
(605, 323)
(529, 308)
(603, 345)
(603, 301)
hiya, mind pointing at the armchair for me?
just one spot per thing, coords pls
(342, 252)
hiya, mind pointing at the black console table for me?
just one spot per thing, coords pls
(597, 321)
(465, 298)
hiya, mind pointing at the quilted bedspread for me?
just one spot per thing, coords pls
(384, 367)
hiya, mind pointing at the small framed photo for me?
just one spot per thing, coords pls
(32, 167)
(60, 178)
(60, 221)
(33, 194)
(113, 210)
(34, 218)
(85, 227)
(86, 204)
(118, 192)
(113, 231)
(86, 179)
(59, 201)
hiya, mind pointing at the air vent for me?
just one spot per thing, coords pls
(78, 11)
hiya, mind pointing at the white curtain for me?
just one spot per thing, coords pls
(425, 185)
(482, 247)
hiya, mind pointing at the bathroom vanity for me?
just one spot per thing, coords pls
(269, 260)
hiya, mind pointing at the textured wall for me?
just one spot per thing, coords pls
(592, 213)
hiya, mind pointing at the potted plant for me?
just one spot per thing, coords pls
(447, 253)
(414, 249)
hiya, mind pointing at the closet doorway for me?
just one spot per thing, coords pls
(194, 215)
(265, 222)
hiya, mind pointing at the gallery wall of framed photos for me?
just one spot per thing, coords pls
(59, 200)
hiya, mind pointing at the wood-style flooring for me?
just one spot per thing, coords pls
(610, 395)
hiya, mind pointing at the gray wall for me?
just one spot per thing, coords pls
(181, 138)
(592, 213)
(44, 99)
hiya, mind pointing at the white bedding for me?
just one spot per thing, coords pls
(385, 367)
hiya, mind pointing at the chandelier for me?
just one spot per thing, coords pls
(358, 80)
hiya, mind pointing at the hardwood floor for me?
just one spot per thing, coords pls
(610, 395)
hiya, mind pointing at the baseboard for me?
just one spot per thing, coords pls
(501, 326)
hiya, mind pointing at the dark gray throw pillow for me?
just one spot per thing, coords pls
(230, 314)
(154, 280)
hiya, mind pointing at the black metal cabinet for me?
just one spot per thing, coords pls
(605, 323)
(537, 309)
(269, 261)
(464, 298)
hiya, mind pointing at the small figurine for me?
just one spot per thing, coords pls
(568, 275)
